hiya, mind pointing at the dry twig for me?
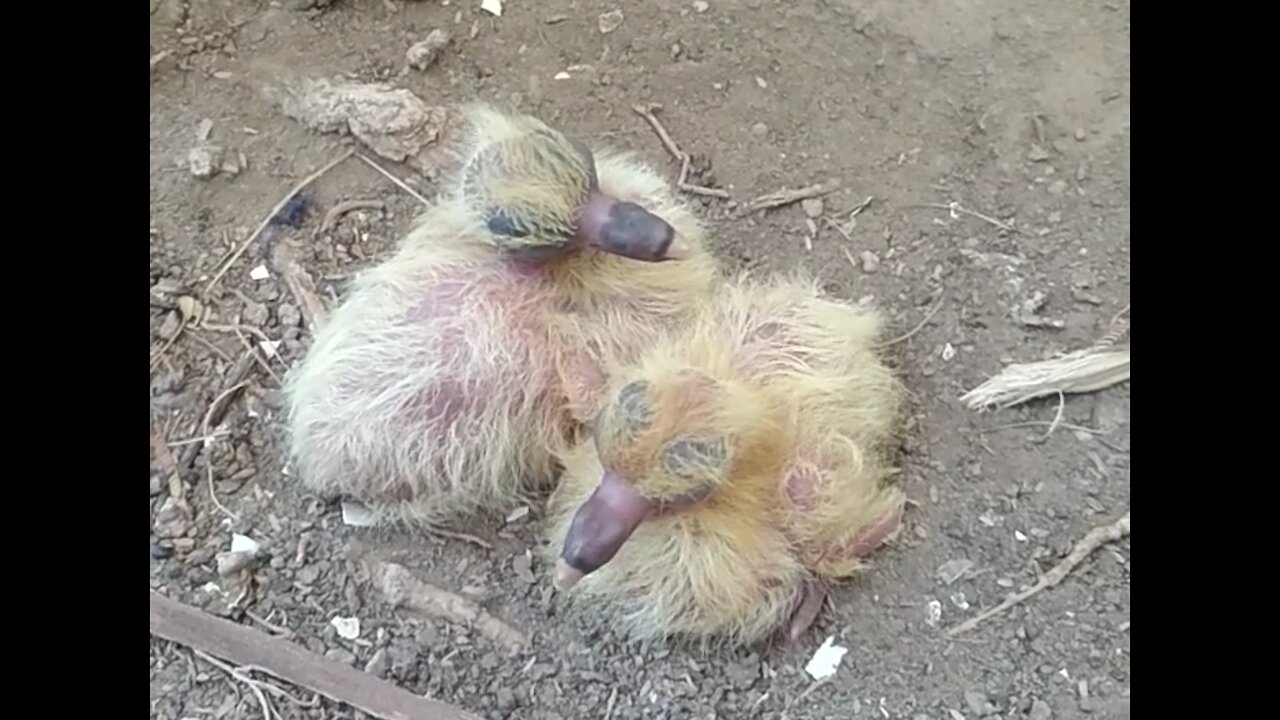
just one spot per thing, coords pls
(259, 353)
(159, 58)
(300, 283)
(282, 659)
(1094, 539)
(205, 429)
(217, 410)
(402, 589)
(465, 537)
(388, 175)
(345, 207)
(787, 197)
(169, 466)
(244, 246)
(955, 209)
(268, 711)
(919, 326)
(648, 112)
(1043, 423)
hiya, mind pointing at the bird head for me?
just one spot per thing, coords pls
(539, 198)
(670, 440)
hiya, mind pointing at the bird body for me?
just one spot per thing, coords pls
(738, 467)
(446, 381)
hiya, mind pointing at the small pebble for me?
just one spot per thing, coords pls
(255, 313)
(701, 6)
(204, 161)
(379, 664)
(952, 570)
(230, 563)
(169, 327)
(160, 552)
(813, 207)
(157, 481)
(342, 655)
(1037, 154)
(173, 519)
(288, 315)
(506, 699)
(610, 21)
(424, 53)
(760, 129)
(523, 568)
(1080, 135)
(870, 261)
(1040, 710)
(978, 703)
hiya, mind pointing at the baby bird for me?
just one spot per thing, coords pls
(737, 469)
(447, 379)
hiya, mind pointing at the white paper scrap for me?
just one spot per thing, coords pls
(826, 659)
(244, 543)
(356, 515)
(348, 627)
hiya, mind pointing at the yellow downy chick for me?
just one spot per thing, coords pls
(737, 469)
(437, 388)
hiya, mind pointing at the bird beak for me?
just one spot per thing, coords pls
(626, 229)
(599, 528)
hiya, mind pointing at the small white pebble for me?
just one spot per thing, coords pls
(933, 612)
(260, 273)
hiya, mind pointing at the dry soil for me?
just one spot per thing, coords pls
(1017, 110)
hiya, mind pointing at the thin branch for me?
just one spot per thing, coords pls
(244, 246)
(387, 174)
(648, 113)
(1094, 539)
(919, 326)
(251, 648)
(268, 711)
(956, 210)
(787, 197)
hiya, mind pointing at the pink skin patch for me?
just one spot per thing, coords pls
(801, 486)
(583, 381)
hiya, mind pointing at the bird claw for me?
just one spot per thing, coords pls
(812, 596)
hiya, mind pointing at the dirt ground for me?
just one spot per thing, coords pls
(1018, 110)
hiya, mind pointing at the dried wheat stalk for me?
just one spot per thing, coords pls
(1103, 365)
